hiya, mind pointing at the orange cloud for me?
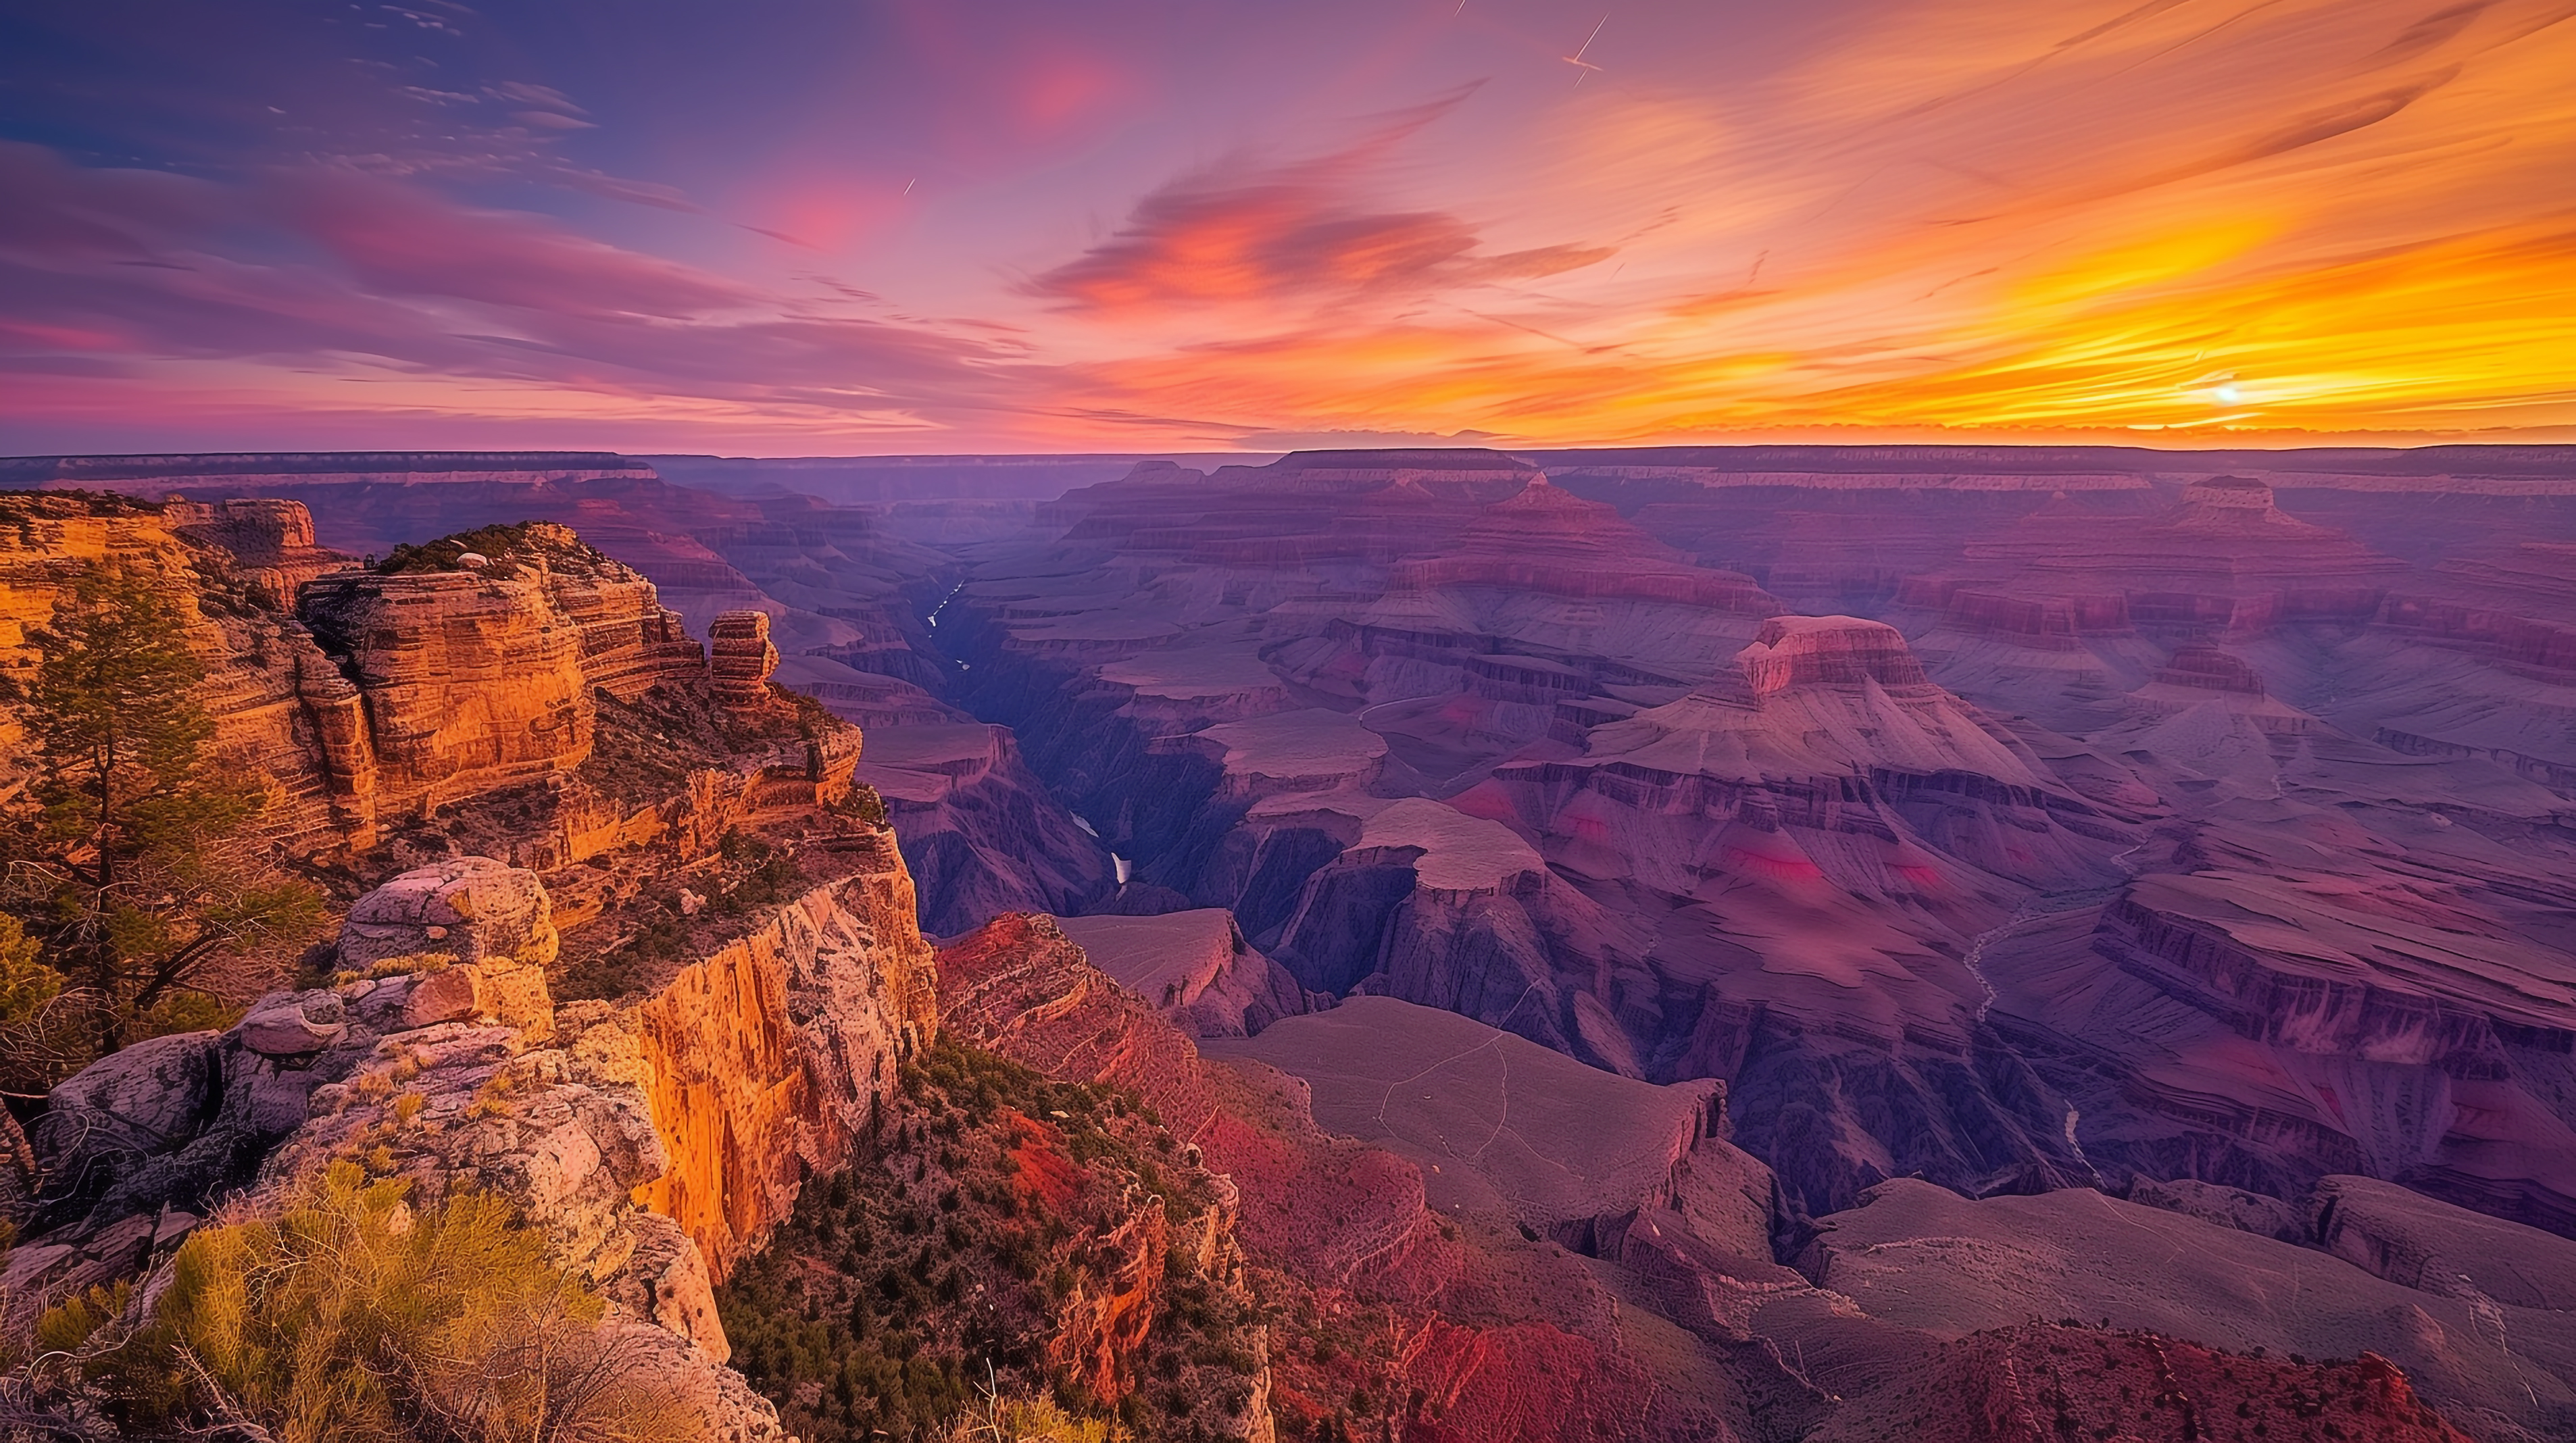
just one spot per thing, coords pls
(2320, 217)
(2323, 216)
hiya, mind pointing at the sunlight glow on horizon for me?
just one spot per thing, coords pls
(2241, 223)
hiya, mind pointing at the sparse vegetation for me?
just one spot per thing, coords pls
(904, 1288)
(137, 866)
(997, 1419)
(865, 804)
(497, 545)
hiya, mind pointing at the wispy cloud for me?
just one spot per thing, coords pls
(1248, 231)
(155, 278)
(2026, 216)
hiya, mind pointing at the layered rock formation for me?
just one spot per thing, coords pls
(651, 1143)
(1841, 869)
(2225, 562)
(271, 542)
(770, 1057)
(1543, 735)
(740, 657)
(851, 600)
(479, 674)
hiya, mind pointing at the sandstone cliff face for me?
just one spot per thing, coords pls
(270, 540)
(769, 1058)
(382, 698)
(652, 1143)
(277, 704)
(481, 678)
(740, 656)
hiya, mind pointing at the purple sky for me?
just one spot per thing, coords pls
(981, 224)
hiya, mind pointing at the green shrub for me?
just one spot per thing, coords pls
(1030, 1420)
(349, 1316)
(906, 1297)
(69, 1325)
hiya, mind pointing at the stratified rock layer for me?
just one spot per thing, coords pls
(769, 1057)
(740, 656)
(481, 678)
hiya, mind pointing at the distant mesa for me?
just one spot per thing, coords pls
(1796, 651)
(2207, 668)
(1464, 473)
(268, 469)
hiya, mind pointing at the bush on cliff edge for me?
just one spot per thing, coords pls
(133, 856)
(351, 1316)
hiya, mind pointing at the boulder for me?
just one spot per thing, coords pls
(153, 1094)
(469, 908)
(294, 1024)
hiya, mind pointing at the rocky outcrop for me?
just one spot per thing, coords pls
(469, 684)
(479, 677)
(386, 696)
(271, 541)
(652, 1143)
(768, 1059)
(493, 918)
(740, 657)
(163, 1130)
(1796, 652)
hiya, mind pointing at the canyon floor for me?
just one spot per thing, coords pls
(1705, 943)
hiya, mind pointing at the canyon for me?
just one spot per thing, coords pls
(1740, 943)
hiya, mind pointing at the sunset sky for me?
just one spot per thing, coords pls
(795, 227)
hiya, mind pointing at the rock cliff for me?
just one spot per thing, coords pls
(652, 1142)
(282, 712)
(742, 1039)
(478, 674)
(770, 1058)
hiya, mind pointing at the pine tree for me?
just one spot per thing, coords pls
(140, 867)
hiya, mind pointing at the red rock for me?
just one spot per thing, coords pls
(740, 657)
